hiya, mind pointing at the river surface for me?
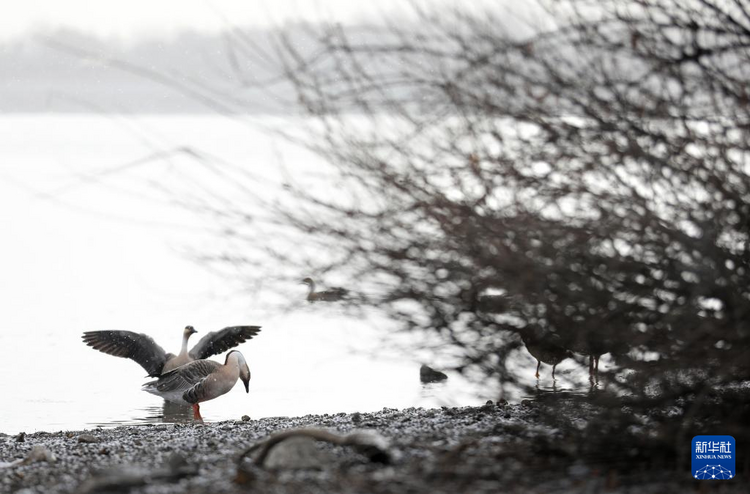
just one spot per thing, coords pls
(88, 243)
(102, 222)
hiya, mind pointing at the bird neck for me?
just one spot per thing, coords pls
(185, 338)
(311, 287)
(233, 363)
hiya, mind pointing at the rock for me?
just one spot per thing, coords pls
(37, 453)
(356, 418)
(40, 453)
(88, 438)
(246, 418)
(295, 449)
(20, 438)
(429, 375)
(297, 453)
(371, 444)
(122, 478)
(579, 470)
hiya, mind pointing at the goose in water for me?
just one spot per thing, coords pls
(201, 380)
(595, 343)
(144, 350)
(331, 295)
(545, 347)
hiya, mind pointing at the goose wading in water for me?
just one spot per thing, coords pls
(545, 346)
(330, 295)
(595, 343)
(144, 350)
(201, 380)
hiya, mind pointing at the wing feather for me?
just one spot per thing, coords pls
(217, 342)
(186, 376)
(127, 344)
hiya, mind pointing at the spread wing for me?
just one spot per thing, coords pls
(220, 341)
(126, 344)
(188, 379)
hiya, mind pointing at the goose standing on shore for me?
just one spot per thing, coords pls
(330, 295)
(201, 380)
(144, 350)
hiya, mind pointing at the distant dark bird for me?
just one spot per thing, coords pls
(144, 350)
(201, 380)
(330, 295)
(594, 344)
(544, 346)
(592, 349)
(429, 375)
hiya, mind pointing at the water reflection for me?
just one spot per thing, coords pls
(433, 391)
(168, 413)
(175, 413)
(553, 391)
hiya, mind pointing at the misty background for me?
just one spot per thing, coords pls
(38, 74)
(100, 161)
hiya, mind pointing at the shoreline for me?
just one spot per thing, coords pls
(491, 448)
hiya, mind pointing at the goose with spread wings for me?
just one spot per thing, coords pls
(201, 380)
(144, 350)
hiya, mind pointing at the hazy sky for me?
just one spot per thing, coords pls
(107, 17)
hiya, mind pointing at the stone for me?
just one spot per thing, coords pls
(429, 375)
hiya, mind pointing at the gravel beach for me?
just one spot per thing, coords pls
(494, 448)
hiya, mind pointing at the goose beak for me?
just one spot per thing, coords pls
(245, 377)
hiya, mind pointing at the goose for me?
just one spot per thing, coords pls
(592, 343)
(545, 347)
(331, 295)
(201, 380)
(144, 350)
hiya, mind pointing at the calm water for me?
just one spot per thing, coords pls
(85, 248)
(93, 239)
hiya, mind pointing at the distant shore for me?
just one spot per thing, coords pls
(492, 448)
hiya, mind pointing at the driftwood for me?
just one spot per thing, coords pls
(370, 444)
